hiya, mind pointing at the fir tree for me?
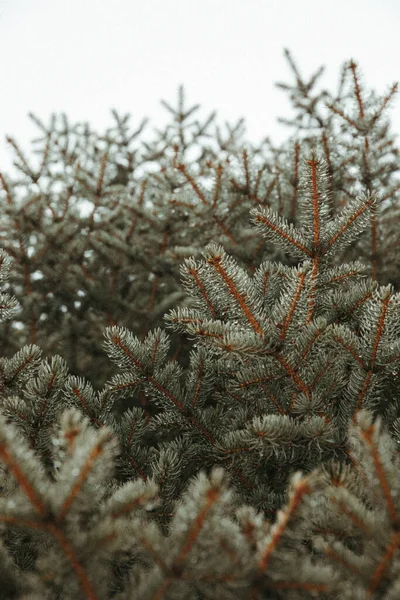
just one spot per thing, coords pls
(92, 249)
(251, 453)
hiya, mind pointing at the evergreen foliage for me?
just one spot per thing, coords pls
(236, 437)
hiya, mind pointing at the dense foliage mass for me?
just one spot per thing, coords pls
(235, 436)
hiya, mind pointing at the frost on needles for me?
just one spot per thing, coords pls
(252, 451)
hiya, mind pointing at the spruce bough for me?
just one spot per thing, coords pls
(242, 442)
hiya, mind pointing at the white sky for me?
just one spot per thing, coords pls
(85, 56)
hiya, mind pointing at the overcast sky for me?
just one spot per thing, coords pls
(85, 56)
